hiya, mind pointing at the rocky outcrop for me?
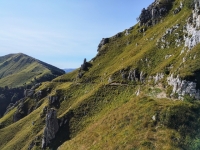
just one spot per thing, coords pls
(84, 65)
(183, 87)
(53, 99)
(20, 112)
(158, 77)
(128, 31)
(192, 33)
(132, 75)
(154, 12)
(38, 95)
(51, 127)
(103, 42)
(80, 74)
(36, 86)
(165, 42)
(28, 92)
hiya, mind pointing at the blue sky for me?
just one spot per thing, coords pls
(63, 32)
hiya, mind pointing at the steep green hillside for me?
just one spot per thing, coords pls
(18, 72)
(140, 92)
(19, 69)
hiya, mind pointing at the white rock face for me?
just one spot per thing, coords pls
(158, 77)
(182, 87)
(193, 26)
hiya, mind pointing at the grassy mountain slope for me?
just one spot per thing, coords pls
(18, 72)
(18, 69)
(119, 114)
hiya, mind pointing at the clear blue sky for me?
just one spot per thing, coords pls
(63, 32)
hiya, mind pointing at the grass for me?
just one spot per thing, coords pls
(127, 126)
(105, 116)
(19, 69)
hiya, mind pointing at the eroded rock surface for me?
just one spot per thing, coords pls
(183, 87)
(192, 37)
(154, 12)
(103, 42)
(51, 127)
(28, 92)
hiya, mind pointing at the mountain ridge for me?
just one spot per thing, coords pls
(19, 72)
(13, 66)
(141, 91)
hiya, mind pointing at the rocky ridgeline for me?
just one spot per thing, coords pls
(148, 17)
(51, 127)
(104, 41)
(154, 12)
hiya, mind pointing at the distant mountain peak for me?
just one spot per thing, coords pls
(13, 66)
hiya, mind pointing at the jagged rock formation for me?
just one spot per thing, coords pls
(103, 42)
(53, 99)
(154, 12)
(133, 75)
(20, 112)
(128, 31)
(51, 127)
(28, 92)
(36, 86)
(38, 95)
(192, 32)
(158, 77)
(84, 65)
(183, 87)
